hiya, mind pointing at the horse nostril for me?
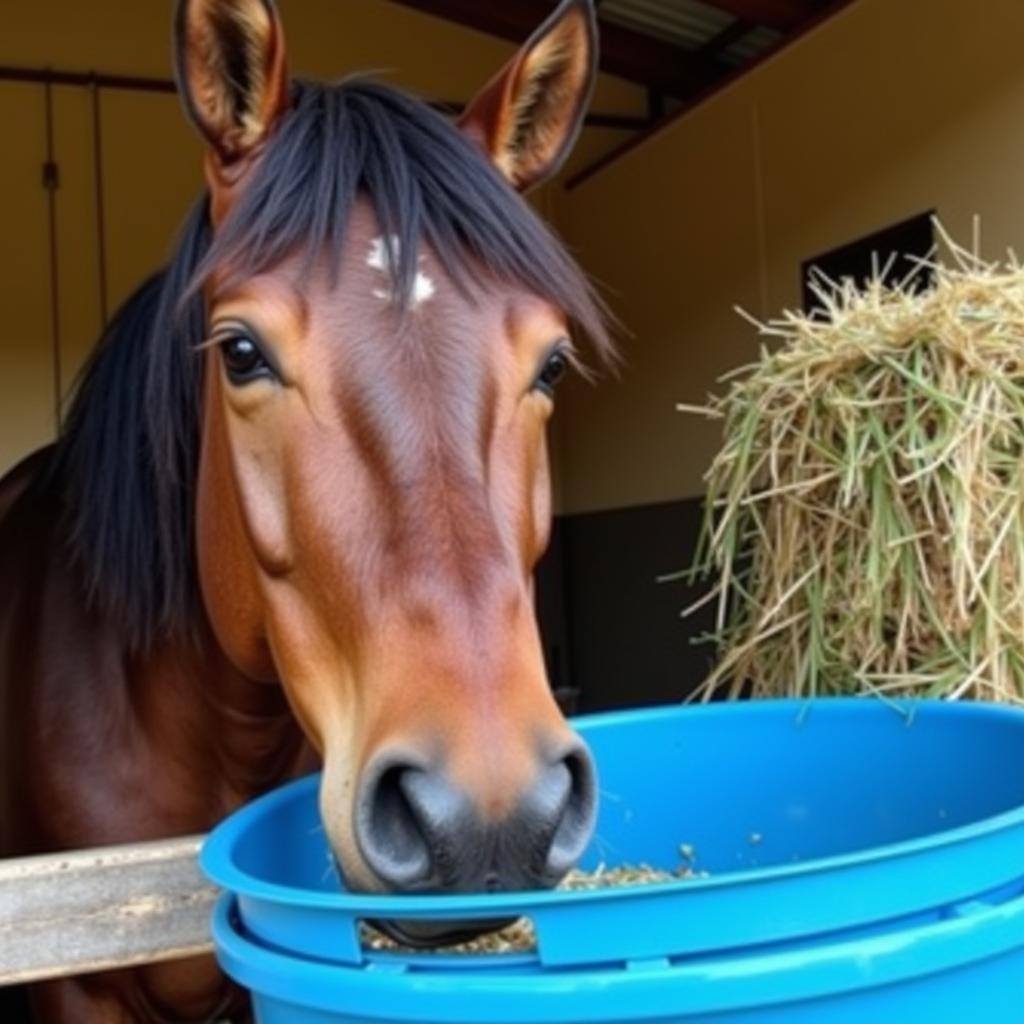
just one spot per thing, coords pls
(573, 781)
(418, 831)
(390, 834)
(409, 825)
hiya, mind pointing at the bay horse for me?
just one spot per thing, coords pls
(293, 516)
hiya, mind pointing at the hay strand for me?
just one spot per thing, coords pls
(864, 529)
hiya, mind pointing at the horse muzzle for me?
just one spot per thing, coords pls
(418, 832)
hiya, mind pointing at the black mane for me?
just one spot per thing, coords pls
(126, 462)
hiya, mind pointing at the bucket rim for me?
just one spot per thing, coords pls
(623, 992)
(216, 857)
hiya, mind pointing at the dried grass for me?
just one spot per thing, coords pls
(864, 525)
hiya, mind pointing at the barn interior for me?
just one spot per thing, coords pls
(730, 145)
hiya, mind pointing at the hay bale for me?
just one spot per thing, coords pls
(864, 525)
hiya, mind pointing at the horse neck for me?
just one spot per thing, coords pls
(209, 714)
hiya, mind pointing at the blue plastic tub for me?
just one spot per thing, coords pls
(866, 864)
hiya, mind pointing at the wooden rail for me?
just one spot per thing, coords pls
(88, 910)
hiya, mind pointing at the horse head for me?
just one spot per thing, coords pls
(386, 324)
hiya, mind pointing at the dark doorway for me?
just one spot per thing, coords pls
(896, 249)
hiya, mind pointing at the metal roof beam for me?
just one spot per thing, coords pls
(624, 52)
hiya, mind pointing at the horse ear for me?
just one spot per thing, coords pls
(528, 116)
(232, 72)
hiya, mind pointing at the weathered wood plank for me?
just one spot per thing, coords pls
(114, 906)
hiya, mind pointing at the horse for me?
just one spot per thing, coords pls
(292, 519)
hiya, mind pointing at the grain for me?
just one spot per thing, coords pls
(519, 937)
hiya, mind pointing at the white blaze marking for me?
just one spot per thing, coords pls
(422, 289)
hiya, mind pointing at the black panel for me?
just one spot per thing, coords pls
(552, 602)
(14, 1006)
(627, 644)
(909, 240)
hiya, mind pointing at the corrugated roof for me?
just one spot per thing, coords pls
(754, 43)
(689, 24)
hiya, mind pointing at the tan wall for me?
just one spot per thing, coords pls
(891, 108)
(150, 159)
(26, 358)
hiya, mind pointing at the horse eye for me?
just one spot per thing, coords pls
(243, 359)
(554, 370)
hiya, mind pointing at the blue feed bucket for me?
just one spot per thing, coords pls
(864, 863)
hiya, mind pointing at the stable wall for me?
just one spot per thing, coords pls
(891, 108)
(149, 161)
